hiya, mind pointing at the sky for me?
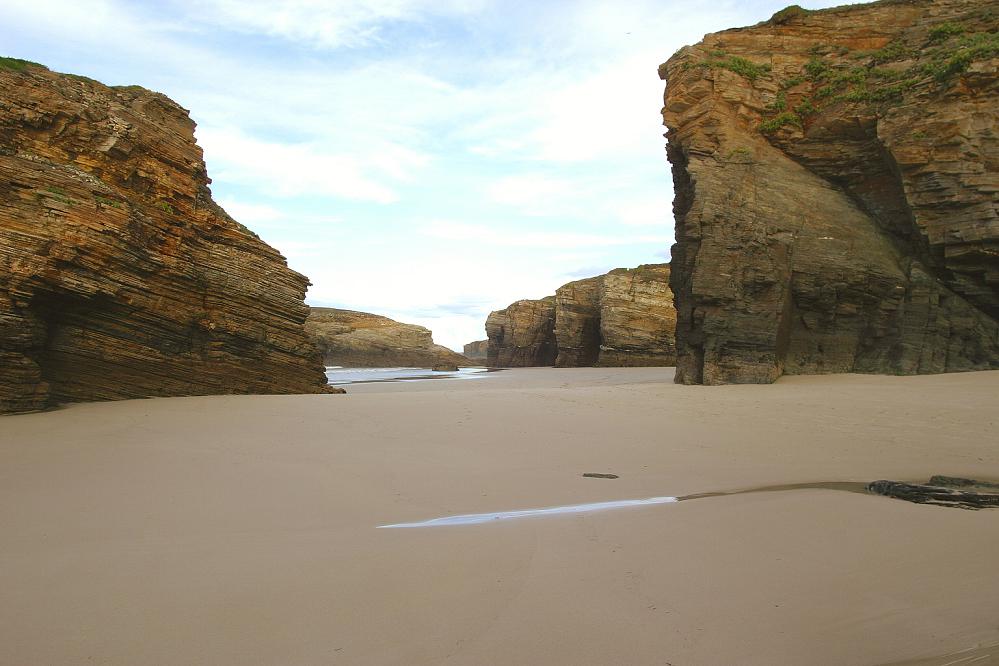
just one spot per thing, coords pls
(427, 160)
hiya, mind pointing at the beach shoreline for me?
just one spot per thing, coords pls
(242, 529)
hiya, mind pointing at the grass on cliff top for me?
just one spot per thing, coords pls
(18, 65)
(948, 52)
(788, 13)
(737, 64)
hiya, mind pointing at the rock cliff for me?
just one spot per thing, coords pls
(836, 176)
(522, 334)
(477, 351)
(637, 317)
(362, 340)
(622, 318)
(119, 276)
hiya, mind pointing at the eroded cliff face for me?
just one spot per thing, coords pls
(522, 334)
(362, 340)
(477, 351)
(637, 317)
(836, 177)
(119, 276)
(622, 318)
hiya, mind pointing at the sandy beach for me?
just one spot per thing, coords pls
(242, 530)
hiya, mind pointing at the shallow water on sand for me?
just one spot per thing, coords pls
(476, 518)
(339, 376)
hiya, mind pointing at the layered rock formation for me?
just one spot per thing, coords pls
(477, 351)
(836, 176)
(522, 334)
(119, 276)
(363, 340)
(622, 318)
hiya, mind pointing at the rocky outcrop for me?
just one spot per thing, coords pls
(622, 318)
(119, 276)
(836, 176)
(577, 323)
(947, 491)
(363, 340)
(522, 334)
(477, 351)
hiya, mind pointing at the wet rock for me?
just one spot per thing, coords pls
(120, 277)
(942, 491)
(835, 180)
(599, 475)
(445, 367)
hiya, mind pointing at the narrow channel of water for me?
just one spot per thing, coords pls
(477, 518)
(338, 376)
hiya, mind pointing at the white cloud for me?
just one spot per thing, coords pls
(251, 214)
(534, 193)
(652, 212)
(325, 23)
(288, 170)
(513, 237)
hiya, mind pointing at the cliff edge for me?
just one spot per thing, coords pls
(362, 340)
(622, 318)
(836, 176)
(120, 277)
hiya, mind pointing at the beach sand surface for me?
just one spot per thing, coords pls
(242, 529)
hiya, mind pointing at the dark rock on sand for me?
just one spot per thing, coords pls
(942, 491)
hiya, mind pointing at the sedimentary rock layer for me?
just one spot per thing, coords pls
(363, 340)
(477, 351)
(836, 176)
(119, 276)
(522, 334)
(622, 318)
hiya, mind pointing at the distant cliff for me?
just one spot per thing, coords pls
(622, 318)
(363, 340)
(120, 277)
(522, 334)
(836, 176)
(477, 351)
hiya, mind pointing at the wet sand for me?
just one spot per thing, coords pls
(242, 530)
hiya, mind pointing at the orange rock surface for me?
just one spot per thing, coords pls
(120, 277)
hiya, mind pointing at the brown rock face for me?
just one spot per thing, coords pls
(577, 323)
(637, 317)
(362, 340)
(119, 276)
(836, 176)
(623, 318)
(522, 335)
(477, 351)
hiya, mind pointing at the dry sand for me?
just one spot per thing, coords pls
(241, 530)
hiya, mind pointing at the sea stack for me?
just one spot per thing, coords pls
(120, 277)
(836, 178)
(622, 318)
